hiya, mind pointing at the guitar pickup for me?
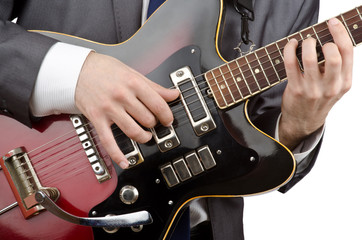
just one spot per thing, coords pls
(128, 147)
(134, 156)
(193, 102)
(165, 137)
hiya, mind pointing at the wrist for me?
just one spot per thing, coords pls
(293, 132)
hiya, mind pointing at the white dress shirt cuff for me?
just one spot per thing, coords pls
(305, 147)
(54, 90)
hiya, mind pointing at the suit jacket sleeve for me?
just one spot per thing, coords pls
(265, 109)
(274, 20)
(21, 55)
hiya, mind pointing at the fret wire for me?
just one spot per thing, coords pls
(360, 16)
(217, 91)
(310, 32)
(325, 29)
(267, 66)
(301, 36)
(262, 68)
(318, 38)
(240, 79)
(281, 55)
(244, 79)
(271, 62)
(236, 95)
(353, 25)
(299, 60)
(252, 72)
(349, 32)
(320, 43)
(276, 59)
(236, 91)
(217, 84)
(235, 82)
(227, 85)
(328, 35)
(359, 36)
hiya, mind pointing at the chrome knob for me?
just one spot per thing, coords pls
(128, 194)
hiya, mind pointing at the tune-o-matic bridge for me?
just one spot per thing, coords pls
(99, 168)
(193, 101)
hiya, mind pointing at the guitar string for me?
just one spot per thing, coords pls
(78, 147)
(276, 51)
(69, 149)
(75, 172)
(71, 155)
(226, 79)
(233, 69)
(281, 49)
(222, 75)
(248, 68)
(358, 35)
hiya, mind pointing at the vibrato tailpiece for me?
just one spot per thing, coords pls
(24, 182)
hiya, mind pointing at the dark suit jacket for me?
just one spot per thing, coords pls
(22, 52)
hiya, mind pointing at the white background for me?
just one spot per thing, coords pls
(327, 203)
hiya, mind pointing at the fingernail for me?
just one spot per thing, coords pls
(124, 164)
(170, 124)
(333, 21)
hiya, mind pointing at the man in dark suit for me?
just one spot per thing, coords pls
(27, 57)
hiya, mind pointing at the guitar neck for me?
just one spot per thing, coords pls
(258, 71)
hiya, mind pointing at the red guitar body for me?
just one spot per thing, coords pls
(225, 156)
(72, 175)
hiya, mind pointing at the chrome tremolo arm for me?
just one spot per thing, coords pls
(124, 220)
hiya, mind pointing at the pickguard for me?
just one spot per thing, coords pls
(235, 159)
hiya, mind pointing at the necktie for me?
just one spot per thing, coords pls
(153, 5)
(182, 231)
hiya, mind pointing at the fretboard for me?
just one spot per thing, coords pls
(258, 71)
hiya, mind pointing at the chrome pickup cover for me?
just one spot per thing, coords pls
(184, 81)
(166, 141)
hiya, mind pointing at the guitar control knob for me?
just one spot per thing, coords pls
(128, 194)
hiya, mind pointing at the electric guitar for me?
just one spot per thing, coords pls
(57, 182)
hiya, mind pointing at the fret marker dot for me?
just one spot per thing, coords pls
(222, 86)
(308, 36)
(355, 26)
(238, 79)
(277, 61)
(257, 70)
